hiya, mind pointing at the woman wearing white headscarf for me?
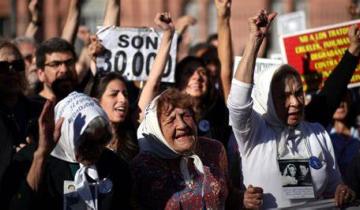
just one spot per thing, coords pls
(72, 169)
(268, 126)
(175, 168)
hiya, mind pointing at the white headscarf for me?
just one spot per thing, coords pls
(152, 140)
(264, 105)
(78, 110)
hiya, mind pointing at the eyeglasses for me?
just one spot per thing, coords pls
(16, 65)
(56, 64)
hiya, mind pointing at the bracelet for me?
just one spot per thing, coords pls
(36, 22)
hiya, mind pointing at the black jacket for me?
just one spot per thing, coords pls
(50, 195)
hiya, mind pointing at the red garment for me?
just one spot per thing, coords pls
(159, 183)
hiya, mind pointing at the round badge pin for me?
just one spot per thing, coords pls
(315, 162)
(204, 125)
(105, 186)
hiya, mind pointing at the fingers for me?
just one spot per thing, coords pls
(28, 140)
(18, 148)
(354, 31)
(46, 112)
(343, 195)
(165, 17)
(95, 47)
(164, 21)
(253, 197)
(57, 130)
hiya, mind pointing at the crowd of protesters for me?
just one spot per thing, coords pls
(73, 137)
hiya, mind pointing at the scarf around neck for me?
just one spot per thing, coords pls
(264, 105)
(78, 110)
(151, 139)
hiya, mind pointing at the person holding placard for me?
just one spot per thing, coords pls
(270, 130)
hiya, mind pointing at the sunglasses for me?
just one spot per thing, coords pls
(16, 65)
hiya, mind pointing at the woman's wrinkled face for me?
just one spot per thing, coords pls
(197, 84)
(288, 98)
(115, 101)
(179, 129)
(92, 146)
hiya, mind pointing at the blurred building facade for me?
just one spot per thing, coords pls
(14, 15)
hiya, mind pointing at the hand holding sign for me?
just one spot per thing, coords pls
(259, 25)
(95, 47)
(354, 36)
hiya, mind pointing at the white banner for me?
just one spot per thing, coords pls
(262, 64)
(291, 22)
(132, 51)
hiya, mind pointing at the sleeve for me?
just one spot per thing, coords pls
(352, 176)
(242, 117)
(323, 105)
(332, 167)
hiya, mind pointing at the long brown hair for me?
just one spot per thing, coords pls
(124, 139)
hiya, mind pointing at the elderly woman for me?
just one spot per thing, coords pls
(71, 168)
(175, 168)
(270, 131)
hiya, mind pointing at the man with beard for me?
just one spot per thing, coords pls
(55, 60)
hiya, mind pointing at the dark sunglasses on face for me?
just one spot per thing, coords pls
(16, 65)
(56, 64)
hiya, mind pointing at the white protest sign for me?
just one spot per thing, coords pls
(262, 64)
(291, 22)
(132, 51)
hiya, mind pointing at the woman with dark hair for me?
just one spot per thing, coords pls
(192, 77)
(111, 91)
(344, 136)
(267, 120)
(289, 175)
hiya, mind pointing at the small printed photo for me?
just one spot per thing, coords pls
(295, 173)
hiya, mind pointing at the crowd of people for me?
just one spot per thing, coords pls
(74, 137)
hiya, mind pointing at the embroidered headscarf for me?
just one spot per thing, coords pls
(78, 110)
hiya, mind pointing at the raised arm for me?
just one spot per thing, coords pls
(72, 21)
(181, 26)
(163, 20)
(49, 135)
(225, 51)
(35, 22)
(112, 13)
(239, 100)
(329, 98)
(258, 27)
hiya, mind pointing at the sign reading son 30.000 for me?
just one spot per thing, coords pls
(132, 51)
